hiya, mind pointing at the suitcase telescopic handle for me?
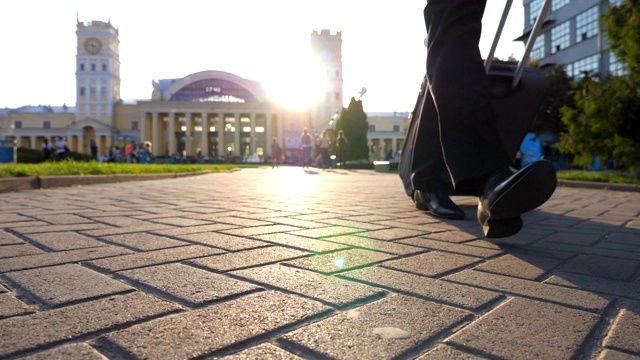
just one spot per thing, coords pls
(532, 39)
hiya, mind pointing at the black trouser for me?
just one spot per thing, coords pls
(457, 139)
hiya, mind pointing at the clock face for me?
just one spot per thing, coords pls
(92, 45)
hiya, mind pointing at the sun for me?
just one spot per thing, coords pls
(297, 83)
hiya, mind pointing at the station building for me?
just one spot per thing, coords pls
(208, 113)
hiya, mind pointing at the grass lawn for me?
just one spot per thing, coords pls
(95, 168)
(608, 176)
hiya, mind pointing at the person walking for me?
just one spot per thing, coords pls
(305, 146)
(324, 150)
(342, 145)
(457, 139)
(276, 152)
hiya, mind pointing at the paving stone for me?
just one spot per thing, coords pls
(391, 234)
(616, 355)
(69, 351)
(144, 241)
(432, 264)
(604, 267)
(301, 242)
(249, 258)
(439, 291)
(188, 284)
(223, 241)
(71, 322)
(35, 229)
(339, 261)
(19, 250)
(521, 266)
(325, 231)
(588, 250)
(594, 284)
(551, 331)
(156, 257)
(63, 219)
(452, 236)
(463, 249)
(125, 221)
(258, 230)
(389, 328)
(12, 218)
(376, 245)
(448, 352)
(59, 285)
(328, 289)
(22, 225)
(126, 230)
(8, 239)
(625, 330)
(262, 351)
(241, 221)
(204, 331)
(531, 289)
(59, 257)
(65, 240)
(10, 306)
(303, 224)
(181, 221)
(193, 229)
(352, 224)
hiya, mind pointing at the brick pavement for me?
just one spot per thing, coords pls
(335, 264)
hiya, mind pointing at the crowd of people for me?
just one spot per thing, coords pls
(316, 152)
(130, 153)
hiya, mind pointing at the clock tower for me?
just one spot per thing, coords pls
(97, 71)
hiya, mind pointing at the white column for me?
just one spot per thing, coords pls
(142, 128)
(236, 134)
(189, 132)
(222, 146)
(155, 134)
(267, 134)
(280, 127)
(172, 134)
(205, 134)
(252, 142)
(32, 143)
(80, 148)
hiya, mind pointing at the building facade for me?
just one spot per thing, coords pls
(572, 36)
(386, 134)
(209, 113)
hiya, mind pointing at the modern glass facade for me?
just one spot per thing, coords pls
(573, 36)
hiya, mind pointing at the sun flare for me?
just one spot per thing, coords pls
(299, 85)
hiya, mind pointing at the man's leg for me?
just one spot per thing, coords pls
(471, 147)
(458, 84)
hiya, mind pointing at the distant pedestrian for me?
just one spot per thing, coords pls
(47, 149)
(61, 148)
(276, 152)
(94, 150)
(324, 150)
(341, 148)
(305, 146)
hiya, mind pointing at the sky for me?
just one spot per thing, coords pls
(261, 40)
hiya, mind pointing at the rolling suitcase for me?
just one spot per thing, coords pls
(516, 94)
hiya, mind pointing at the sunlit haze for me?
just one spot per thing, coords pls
(266, 41)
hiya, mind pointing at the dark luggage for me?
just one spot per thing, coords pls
(516, 94)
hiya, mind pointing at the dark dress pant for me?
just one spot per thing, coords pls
(457, 139)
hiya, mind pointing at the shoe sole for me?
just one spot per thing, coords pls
(499, 228)
(530, 190)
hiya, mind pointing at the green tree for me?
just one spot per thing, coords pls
(623, 32)
(605, 122)
(353, 122)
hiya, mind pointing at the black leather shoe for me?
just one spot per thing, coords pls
(438, 203)
(508, 193)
